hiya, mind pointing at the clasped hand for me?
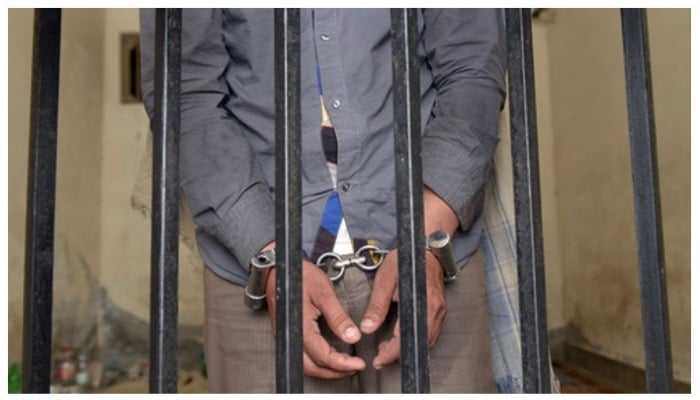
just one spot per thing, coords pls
(319, 300)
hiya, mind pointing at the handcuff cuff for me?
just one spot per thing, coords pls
(259, 269)
(368, 258)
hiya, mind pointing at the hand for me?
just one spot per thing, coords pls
(437, 216)
(319, 299)
(386, 290)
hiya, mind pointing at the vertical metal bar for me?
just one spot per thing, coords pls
(164, 221)
(41, 195)
(650, 248)
(528, 215)
(415, 370)
(289, 367)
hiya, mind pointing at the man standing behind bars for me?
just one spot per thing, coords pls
(227, 172)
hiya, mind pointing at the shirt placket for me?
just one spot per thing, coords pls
(336, 99)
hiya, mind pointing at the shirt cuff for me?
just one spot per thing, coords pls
(458, 179)
(249, 225)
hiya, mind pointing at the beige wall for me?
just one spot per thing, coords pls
(670, 49)
(125, 263)
(593, 178)
(19, 68)
(102, 238)
(79, 154)
(126, 168)
(548, 184)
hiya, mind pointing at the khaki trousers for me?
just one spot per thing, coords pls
(240, 348)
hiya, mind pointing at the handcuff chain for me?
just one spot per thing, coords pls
(357, 259)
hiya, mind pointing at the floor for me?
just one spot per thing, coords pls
(577, 380)
(188, 382)
(573, 380)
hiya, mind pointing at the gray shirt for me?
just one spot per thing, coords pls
(227, 127)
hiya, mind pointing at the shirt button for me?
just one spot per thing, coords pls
(335, 103)
(345, 187)
(325, 37)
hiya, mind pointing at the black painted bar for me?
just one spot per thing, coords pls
(645, 180)
(528, 215)
(415, 370)
(288, 357)
(41, 197)
(165, 200)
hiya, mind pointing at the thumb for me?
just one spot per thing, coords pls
(338, 319)
(382, 293)
(322, 295)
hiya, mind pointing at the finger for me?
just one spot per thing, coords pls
(270, 297)
(437, 309)
(337, 319)
(389, 351)
(325, 356)
(312, 369)
(273, 318)
(382, 293)
(437, 301)
(435, 327)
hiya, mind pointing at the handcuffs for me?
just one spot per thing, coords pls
(368, 258)
(255, 289)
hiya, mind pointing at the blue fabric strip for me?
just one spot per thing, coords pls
(318, 79)
(333, 214)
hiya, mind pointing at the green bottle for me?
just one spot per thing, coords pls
(14, 379)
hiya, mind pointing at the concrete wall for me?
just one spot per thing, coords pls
(593, 178)
(19, 67)
(102, 240)
(78, 182)
(670, 50)
(548, 184)
(126, 171)
(125, 271)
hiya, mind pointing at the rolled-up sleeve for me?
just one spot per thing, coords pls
(225, 188)
(466, 53)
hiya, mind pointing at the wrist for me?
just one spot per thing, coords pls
(438, 215)
(269, 246)
(432, 263)
(439, 245)
(266, 272)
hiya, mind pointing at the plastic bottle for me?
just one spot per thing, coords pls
(66, 367)
(82, 376)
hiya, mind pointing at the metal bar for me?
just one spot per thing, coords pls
(41, 195)
(415, 370)
(528, 215)
(645, 179)
(164, 221)
(288, 361)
